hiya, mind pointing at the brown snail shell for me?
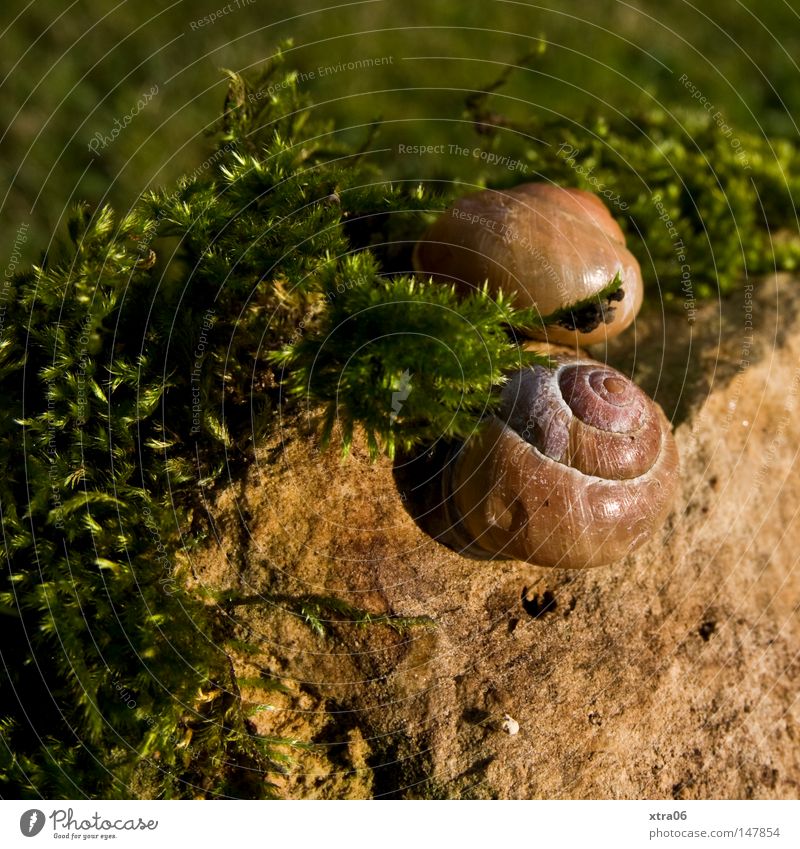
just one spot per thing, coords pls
(550, 247)
(578, 469)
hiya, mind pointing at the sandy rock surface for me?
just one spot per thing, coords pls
(671, 674)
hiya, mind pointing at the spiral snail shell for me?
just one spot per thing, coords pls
(578, 469)
(550, 247)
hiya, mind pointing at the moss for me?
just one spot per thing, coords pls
(141, 358)
(703, 206)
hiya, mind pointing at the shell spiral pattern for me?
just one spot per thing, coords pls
(578, 469)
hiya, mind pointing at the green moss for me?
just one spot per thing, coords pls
(137, 360)
(703, 205)
(144, 355)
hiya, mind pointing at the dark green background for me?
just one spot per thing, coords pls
(70, 70)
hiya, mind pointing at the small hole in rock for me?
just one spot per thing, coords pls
(707, 629)
(535, 606)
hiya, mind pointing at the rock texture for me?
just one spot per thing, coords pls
(672, 674)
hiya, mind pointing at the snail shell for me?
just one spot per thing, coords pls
(549, 246)
(578, 469)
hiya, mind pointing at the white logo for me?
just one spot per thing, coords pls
(400, 395)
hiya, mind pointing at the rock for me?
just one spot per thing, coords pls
(671, 674)
(510, 725)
